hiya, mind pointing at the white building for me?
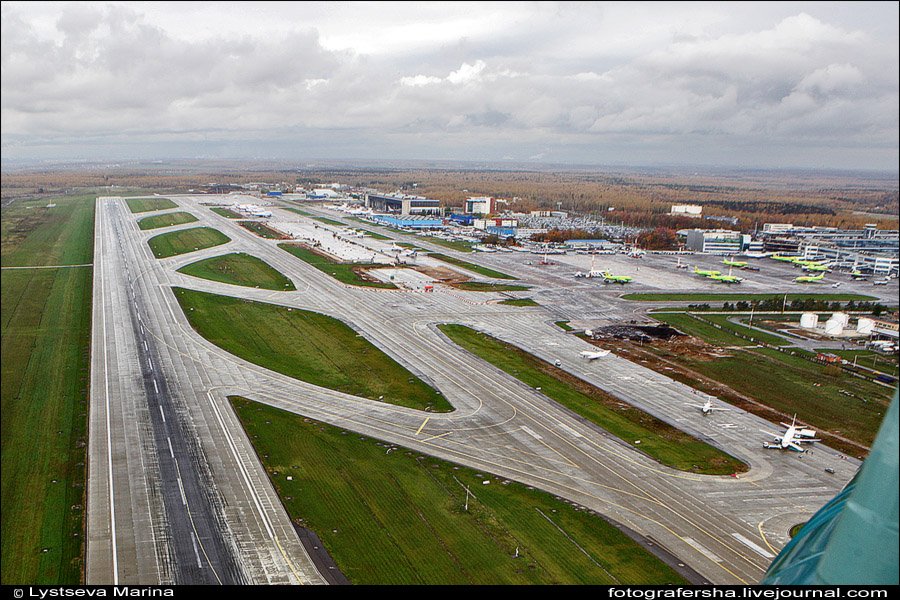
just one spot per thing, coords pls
(481, 205)
(714, 241)
(687, 210)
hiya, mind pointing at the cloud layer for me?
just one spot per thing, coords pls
(812, 85)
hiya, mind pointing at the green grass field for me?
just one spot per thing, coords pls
(139, 205)
(343, 272)
(452, 244)
(484, 286)
(869, 359)
(664, 443)
(46, 333)
(298, 211)
(226, 212)
(328, 221)
(166, 220)
(186, 240)
(262, 230)
(687, 324)
(761, 336)
(484, 271)
(400, 518)
(519, 302)
(792, 384)
(239, 269)
(564, 325)
(308, 346)
(736, 297)
(374, 235)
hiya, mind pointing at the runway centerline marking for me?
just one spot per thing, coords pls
(696, 546)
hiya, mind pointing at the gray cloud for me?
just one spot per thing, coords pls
(582, 82)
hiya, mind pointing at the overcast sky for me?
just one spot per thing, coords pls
(782, 84)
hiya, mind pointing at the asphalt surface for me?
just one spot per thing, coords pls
(726, 529)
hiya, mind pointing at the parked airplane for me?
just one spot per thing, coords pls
(815, 268)
(810, 278)
(734, 263)
(706, 273)
(680, 265)
(791, 439)
(592, 355)
(789, 259)
(729, 279)
(610, 278)
(707, 408)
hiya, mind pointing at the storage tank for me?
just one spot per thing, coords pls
(864, 326)
(843, 317)
(809, 320)
(834, 326)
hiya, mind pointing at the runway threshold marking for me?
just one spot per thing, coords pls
(422, 426)
(761, 551)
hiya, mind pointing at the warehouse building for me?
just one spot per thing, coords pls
(403, 204)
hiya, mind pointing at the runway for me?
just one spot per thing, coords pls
(156, 382)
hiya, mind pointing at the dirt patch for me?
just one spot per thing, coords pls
(441, 274)
(636, 332)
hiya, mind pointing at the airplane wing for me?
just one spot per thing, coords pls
(806, 440)
(777, 436)
(794, 446)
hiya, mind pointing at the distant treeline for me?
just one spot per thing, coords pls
(768, 207)
(807, 304)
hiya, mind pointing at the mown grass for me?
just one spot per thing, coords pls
(869, 359)
(397, 517)
(737, 297)
(298, 211)
(308, 346)
(689, 325)
(661, 441)
(519, 302)
(347, 273)
(239, 269)
(262, 230)
(186, 240)
(46, 329)
(760, 336)
(374, 235)
(166, 220)
(139, 205)
(564, 325)
(792, 384)
(226, 212)
(485, 286)
(484, 271)
(452, 244)
(328, 221)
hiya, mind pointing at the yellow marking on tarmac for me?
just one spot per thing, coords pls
(422, 426)
(434, 437)
(763, 536)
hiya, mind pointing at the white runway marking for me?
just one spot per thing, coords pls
(196, 553)
(568, 430)
(156, 388)
(690, 542)
(161, 413)
(761, 551)
(171, 452)
(531, 433)
(150, 364)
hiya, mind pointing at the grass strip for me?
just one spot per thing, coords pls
(388, 515)
(519, 302)
(46, 336)
(226, 212)
(139, 205)
(186, 240)
(564, 325)
(484, 271)
(713, 297)
(262, 230)
(239, 269)
(348, 273)
(166, 220)
(307, 346)
(661, 441)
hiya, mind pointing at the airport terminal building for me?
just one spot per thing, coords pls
(403, 204)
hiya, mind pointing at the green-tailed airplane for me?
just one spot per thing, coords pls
(789, 259)
(816, 268)
(610, 278)
(810, 278)
(734, 263)
(727, 278)
(706, 273)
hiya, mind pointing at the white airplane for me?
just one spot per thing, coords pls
(791, 439)
(707, 408)
(592, 355)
